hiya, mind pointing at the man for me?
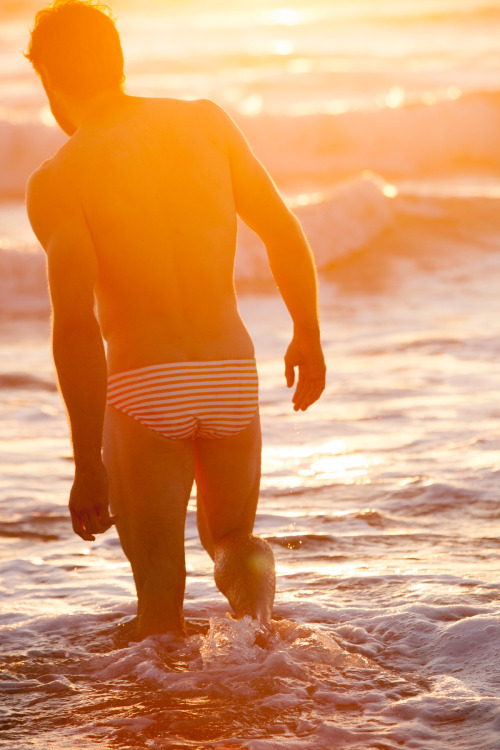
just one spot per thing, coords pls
(138, 212)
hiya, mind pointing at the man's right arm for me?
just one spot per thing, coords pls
(262, 208)
(58, 222)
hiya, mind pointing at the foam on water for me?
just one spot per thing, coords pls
(409, 676)
(380, 507)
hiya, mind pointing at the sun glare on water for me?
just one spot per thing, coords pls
(333, 460)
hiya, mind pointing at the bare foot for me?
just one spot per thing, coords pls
(244, 572)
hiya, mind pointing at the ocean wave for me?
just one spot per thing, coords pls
(24, 145)
(362, 215)
(23, 282)
(308, 687)
(411, 13)
(401, 141)
(23, 381)
(339, 224)
(412, 139)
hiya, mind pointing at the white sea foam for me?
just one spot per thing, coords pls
(387, 586)
(339, 224)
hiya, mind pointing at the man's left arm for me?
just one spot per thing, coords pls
(59, 223)
(259, 204)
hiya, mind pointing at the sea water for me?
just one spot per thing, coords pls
(380, 123)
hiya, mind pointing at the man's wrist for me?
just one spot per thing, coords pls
(309, 330)
(89, 464)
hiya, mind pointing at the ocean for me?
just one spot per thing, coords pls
(380, 122)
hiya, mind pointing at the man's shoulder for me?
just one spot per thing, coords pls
(52, 174)
(40, 188)
(43, 186)
(204, 112)
(214, 111)
(49, 193)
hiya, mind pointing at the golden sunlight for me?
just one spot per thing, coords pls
(283, 17)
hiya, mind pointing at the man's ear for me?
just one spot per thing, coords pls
(46, 79)
(44, 76)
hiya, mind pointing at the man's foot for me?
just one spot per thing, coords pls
(244, 572)
(159, 626)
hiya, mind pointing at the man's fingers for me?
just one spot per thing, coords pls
(308, 391)
(300, 394)
(317, 389)
(88, 504)
(311, 374)
(79, 528)
(304, 400)
(106, 519)
(93, 522)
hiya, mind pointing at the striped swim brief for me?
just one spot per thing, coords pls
(186, 400)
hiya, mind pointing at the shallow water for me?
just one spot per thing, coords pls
(382, 508)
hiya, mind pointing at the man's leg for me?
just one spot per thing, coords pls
(150, 483)
(227, 480)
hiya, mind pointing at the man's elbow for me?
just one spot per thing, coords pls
(74, 329)
(283, 230)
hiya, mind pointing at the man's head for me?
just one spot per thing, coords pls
(76, 50)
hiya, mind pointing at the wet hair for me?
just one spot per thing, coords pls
(76, 41)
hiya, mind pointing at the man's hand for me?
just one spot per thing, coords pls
(89, 504)
(305, 352)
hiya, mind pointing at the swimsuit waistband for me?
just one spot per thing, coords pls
(220, 365)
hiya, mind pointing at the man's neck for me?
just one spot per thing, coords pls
(99, 109)
(73, 113)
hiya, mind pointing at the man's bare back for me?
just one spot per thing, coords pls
(138, 211)
(154, 183)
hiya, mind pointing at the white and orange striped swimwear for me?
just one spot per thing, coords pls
(186, 400)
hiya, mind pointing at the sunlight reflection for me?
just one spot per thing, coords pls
(47, 118)
(395, 98)
(281, 17)
(251, 105)
(299, 66)
(417, 479)
(283, 47)
(107, 565)
(45, 608)
(453, 92)
(330, 461)
(332, 467)
(308, 199)
(390, 191)
(429, 98)
(305, 451)
(333, 107)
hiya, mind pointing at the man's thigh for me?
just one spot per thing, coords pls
(227, 473)
(150, 483)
